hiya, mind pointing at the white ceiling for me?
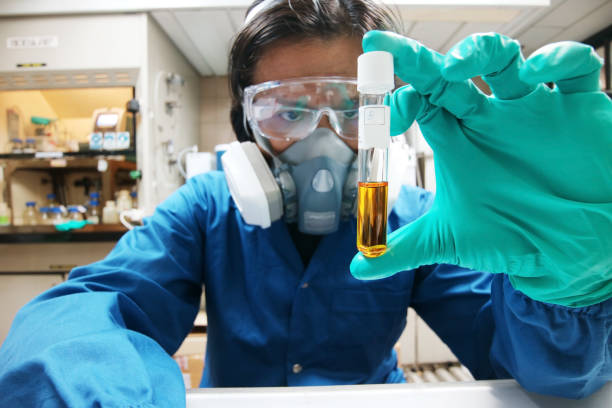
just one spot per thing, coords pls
(204, 35)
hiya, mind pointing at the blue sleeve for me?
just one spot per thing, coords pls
(547, 348)
(104, 337)
(456, 304)
(499, 332)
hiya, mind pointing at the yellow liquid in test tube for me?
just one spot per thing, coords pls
(372, 218)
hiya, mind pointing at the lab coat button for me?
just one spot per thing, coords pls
(297, 368)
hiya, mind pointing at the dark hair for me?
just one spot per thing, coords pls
(302, 19)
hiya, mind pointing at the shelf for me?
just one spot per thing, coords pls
(48, 234)
(68, 163)
(60, 167)
(61, 155)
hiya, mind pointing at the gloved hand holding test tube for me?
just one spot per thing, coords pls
(523, 177)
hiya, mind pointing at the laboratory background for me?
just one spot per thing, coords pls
(106, 108)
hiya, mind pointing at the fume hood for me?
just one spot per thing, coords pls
(106, 51)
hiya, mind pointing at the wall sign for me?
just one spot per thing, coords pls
(34, 41)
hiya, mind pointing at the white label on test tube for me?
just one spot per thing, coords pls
(374, 126)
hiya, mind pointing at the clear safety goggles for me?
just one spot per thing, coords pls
(292, 109)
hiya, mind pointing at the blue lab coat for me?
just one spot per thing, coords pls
(105, 336)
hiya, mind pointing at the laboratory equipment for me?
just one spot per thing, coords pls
(315, 169)
(292, 109)
(45, 216)
(199, 163)
(374, 81)
(30, 216)
(252, 184)
(131, 218)
(96, 141)
(45, 133)
(317, 173)
(195, 162)
(119, 64)
(5, 214)
(107, 130)
(56, 216)
(134, 197)
(133, 107)
(13, 123)
(110, 215)
(16, 145)
(93, 216)
(109, 141)
(51, 201)
(40, 125)
(108, 119)
(30, 145)
(124, 201)
(74, 214)
(122, 140)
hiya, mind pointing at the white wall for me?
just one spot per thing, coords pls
(215, 125)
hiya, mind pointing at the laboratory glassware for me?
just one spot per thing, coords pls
(30, 216)
(374, 81)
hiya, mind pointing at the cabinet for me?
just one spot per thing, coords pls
(18, 289)
(29, 269)
(115, 175)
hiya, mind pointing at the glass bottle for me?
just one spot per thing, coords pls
(56, 216)
(30, 216)
(30, 146)
(124, 201)
(134, 196)
(51, 201)
(5, 215)
(110, 214)
(16, 145)
(374, 81)
(74, 213)
(45, 218)
(93, 216)
(93, 196)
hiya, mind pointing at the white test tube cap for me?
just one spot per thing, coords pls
(375, 72)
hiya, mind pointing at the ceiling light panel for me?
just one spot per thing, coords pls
(434, 34)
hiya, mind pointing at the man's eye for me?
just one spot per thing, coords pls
(291, 115)
(352, 114)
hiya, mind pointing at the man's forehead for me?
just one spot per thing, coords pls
(307, 58)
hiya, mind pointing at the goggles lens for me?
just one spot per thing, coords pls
(293, 109)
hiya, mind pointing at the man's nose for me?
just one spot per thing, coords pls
(324, 121)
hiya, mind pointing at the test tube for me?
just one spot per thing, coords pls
(374, 81)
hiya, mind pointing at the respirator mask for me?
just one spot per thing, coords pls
(313, 180)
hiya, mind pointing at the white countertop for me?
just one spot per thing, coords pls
(489, 394)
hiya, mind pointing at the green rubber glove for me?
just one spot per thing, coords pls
(523, 177)
(72, 224)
